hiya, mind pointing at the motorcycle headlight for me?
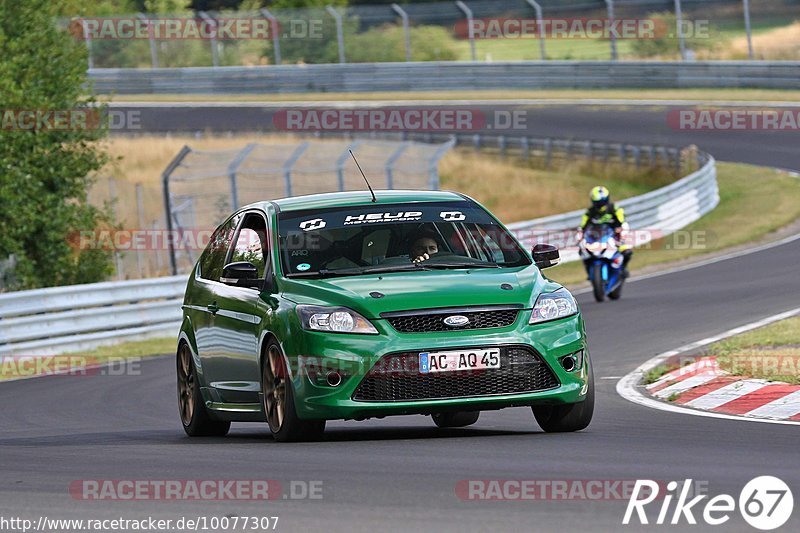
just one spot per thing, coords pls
(334, 320)
(553, 305)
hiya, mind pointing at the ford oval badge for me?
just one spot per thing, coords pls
(456, 321)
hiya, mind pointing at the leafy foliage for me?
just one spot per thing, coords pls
(44, 172)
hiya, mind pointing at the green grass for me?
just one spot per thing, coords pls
(652, 375)
(744, 95)
(528, 49)
(144, 348)
(771, 352)
(754, 201)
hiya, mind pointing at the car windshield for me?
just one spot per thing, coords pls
(399, 237)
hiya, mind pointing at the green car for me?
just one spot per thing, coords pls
(341, 306)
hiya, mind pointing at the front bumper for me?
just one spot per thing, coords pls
(352, 356)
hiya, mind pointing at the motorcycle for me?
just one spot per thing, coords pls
(599, 248)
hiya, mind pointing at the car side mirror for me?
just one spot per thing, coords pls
(546, 256)
(240, 274)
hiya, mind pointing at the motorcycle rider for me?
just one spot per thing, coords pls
(603, 211)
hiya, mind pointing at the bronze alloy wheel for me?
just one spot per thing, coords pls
(186, 385)
(275, 383)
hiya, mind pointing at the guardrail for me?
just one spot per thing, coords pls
(81, 317)
(449, 76)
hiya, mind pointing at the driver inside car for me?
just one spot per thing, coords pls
(422, 248)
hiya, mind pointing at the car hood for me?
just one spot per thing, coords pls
(404, 291)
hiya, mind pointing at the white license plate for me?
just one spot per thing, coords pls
(459, 360)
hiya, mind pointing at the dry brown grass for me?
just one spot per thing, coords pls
(777, 44)
(516, 190)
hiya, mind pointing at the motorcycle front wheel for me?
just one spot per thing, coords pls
(598, 284)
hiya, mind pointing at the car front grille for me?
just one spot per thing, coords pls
(425, 321)
(396, 378)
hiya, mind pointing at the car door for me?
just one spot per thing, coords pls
(238, 320)
(204, 304)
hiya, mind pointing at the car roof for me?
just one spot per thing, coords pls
(358, 198)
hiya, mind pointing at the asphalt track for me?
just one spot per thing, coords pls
(401, 473)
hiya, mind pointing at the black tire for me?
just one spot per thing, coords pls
(278, 401)
(597, 285)
(616, 293)
(194, 417)
(569, 417)
(459, 419)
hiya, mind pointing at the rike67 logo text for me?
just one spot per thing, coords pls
(765, 503)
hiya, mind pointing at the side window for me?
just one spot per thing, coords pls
(213, 258)
(251, 243)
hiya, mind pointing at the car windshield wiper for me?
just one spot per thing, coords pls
(324, 273)
(454, 264)
(395, 268)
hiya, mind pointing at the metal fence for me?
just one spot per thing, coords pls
(446, 30)
(435, 76)
(81, 317)
(202, 187)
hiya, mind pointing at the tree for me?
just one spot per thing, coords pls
(45, 170)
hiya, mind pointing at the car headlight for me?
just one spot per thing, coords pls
(334, 319)
(553, 305)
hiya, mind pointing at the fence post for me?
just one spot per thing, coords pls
(679, 27)
(391, 162)
(152, 39)
(273, 28)
(289, 163)
(168, 205)
(525, 145)
(406, 31)
(433, 164)
(746, 7)
(112, 198)
(214, 50)
(88, 39)
(613, 37)
(339, 31)
(471, 29)
(140, 227)
(539, 25)
(233, 167)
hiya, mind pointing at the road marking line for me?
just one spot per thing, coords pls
(728, 393)
(784, 407)
(628, 387)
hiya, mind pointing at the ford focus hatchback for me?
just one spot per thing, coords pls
(338, 306)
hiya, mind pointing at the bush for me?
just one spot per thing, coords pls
(45, 172)
(387, 43)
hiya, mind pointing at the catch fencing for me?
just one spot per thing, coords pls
(433, 31)
(202, 187)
